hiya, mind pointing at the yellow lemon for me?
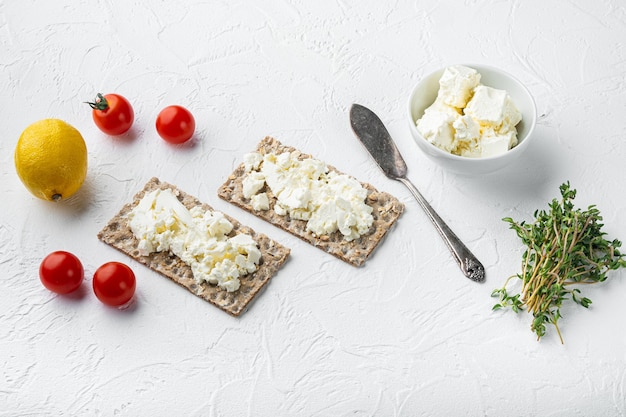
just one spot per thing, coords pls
(51, 159)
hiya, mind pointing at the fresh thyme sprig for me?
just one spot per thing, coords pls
(565, 248)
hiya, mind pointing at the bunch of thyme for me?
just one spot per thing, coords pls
(565, 248)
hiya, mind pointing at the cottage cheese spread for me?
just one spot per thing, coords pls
(199, 238)
(307, 190)
(468, 118)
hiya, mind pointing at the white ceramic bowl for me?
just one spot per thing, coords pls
(424, 95)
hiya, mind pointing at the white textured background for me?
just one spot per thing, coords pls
(407, 335)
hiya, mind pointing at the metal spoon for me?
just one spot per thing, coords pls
(373, 134)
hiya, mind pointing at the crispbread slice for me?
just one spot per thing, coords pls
(117, 233)
(387, 209)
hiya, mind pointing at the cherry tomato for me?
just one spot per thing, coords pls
(112, 113)
(175, 124)
(114, 284)
(61, 272)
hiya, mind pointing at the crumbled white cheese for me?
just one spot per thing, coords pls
(260, 201)
(252, 184)
(468, 118)
(306, 190)
(340, 206)
(437, 125)
(252, 161)
(160, 222)
(456, 85)
(280, 210)
(493, 107)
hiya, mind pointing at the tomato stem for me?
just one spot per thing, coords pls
(100, 103)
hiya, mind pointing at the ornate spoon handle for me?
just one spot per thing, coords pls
(471, 267)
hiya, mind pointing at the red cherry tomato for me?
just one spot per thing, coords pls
(114, 284)
(61, 272)
(175, 124)
(112, 113)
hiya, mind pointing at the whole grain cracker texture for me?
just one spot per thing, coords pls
(117, 234)
(386, 211)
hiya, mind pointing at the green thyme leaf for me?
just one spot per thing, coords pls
(565, 246)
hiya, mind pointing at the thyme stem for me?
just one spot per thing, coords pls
(565, 246)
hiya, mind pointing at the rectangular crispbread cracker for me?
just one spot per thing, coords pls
(117, 233)
(386, 210)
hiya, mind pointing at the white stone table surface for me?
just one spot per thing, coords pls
(405, 335)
